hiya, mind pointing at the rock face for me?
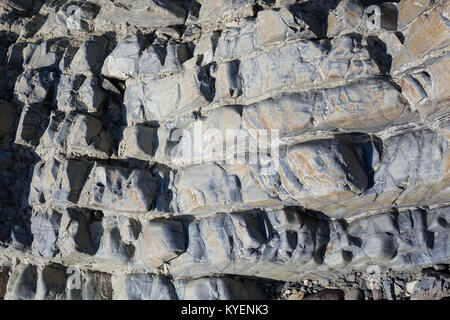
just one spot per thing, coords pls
(238, 149)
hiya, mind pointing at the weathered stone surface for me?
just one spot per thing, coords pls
(31, 125)
(45, 230)
(299, 65)
(161, 241)
(140, 142)
(289, 244)
(70, 17)
(270, 27)
(33, 86)
(154, 99)
(90, 56)
(219, 289)
(409, 10)
(58, 179)
(145, 287)
(427, 34)
(216, 149)
(119, 189)
(135, 57)
(426, 89)
(318, 171)
(77, 134)
(147, 14)
(22, 283)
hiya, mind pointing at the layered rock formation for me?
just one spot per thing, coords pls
(123, 176)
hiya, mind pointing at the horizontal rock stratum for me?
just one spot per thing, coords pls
(224, 149)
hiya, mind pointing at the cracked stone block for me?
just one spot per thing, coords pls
(350, 16)
(213, 13)
(33, 86)
(140, 142)
(141, 286)
(160, 242)
(58, 179)
(45, 229)
(134, 57)
(80, 233)
(411, 169)
(91, 96)
(409, 10)
(97, 286)
(155, 99)
(76, 134)
(426, 90)
(141, 13)
(90, 56)
(363, 106)
(429, 32)
(79, 93)
(88, 137)
(206, 47)
(32, 122)
(117, 241)
(22, 282)
(219, 289)
(253, 243)
(119, 189)
(211, 187)
(47, 55)
(415, 165)
(70, 17)
(308, 173)
(302, 64)
(51, 283)
(300, 244)
(66, 91)
(270, 27)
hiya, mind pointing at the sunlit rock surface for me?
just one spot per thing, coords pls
(224, 149)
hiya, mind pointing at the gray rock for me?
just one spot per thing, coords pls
(154, 99)
(90, 56)
(160, 242)
(58, 180)
(300, 65)
(45, 230)
(70, 17)
(51, 283)
(145, 287)
(219, 289)
(31, 126)
(134, 57)
(22, 283)
(146, 14)
(119, 189)
(140, 142)
(33, 86)
(80, 233)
